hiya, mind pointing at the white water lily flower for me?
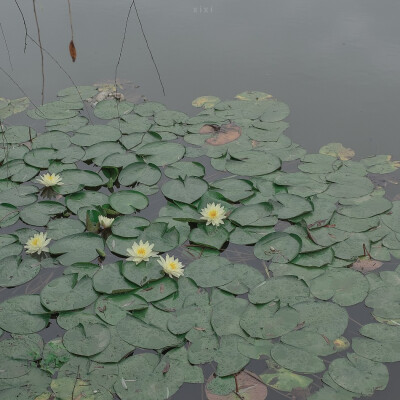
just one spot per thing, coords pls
(141, 252)
(50, 180)
(105, 222)
(213, 214)
(37, 243)
(171, 266)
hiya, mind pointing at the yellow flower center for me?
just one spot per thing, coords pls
(212, 214)
(35, 242)
(172, 265)
(50, 178)
(141, 251)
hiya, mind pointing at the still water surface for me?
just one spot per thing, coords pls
(335, 63)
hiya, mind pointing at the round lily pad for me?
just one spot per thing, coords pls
(278, 247)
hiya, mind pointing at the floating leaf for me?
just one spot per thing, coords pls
(23, 315)
(205, 101)
(87, 339)
(67, 293)
(337, 150)
(278, 246)
(359, 375)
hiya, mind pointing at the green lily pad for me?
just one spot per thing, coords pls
(23, 315)
(15, 272)
(278, 246)
(285, 289)
(297, 360)
(80, 247)
(128, 201)
(87, 339)
(345, 287)
(209, 236)
(92, 134)
(109, 109)
(67, 293)
(139, 334)
(359, 375)
(267, 321)
(19, 134)
(161, 153)
(110, 280)
(186, 191)
(139, 172)
(39, 214)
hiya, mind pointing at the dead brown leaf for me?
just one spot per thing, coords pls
(226, 134)
(207, 129)
(72, 50)
(366, 265)
(250, 388)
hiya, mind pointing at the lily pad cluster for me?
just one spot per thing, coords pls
(313, 223)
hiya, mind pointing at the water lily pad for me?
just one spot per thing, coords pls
(337, 150)
(92, 134)
(15, 272)
(210, 271)
(285, 289)
(23, 315)
(278, 246)
(359, 375)
(317, 316)
(228, 358)
(78, 200)
(56, 110)
(109, 109)
(183, 169)
(19, 196)
(254, 164)
(285, 380)
(81, 247)
(139, 172)
(86, 339)
(267, 321)
(254, 215)
(55, 140)
(19, 134)
(40, 158)
(17, 171)
(9, 215)
(67, 293)
(142, 273)
(209, 236)
(344, 287)
(161, 153)
(205, 101)
(66, 125)
(297, 360)
(139, 334)
(226, 316)
(62, 227)
(128, 201)
(110, 280)
(186, 191)
(39, 214)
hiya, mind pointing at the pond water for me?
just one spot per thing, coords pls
(336, 64)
